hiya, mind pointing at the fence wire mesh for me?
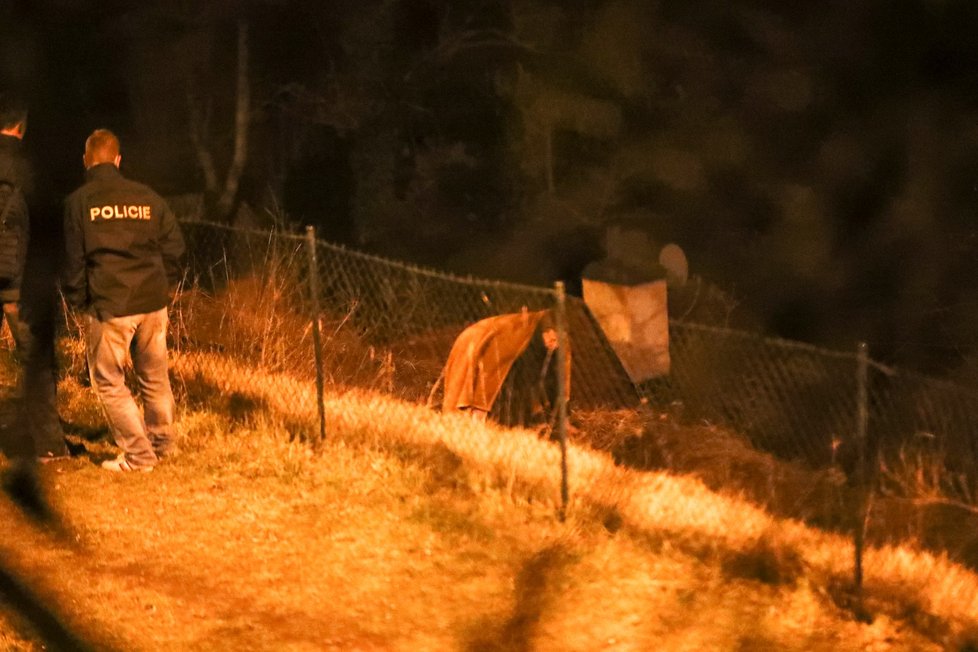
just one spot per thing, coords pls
(384, 325)
(774, 420)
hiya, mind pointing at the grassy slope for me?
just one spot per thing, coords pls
(410, 531)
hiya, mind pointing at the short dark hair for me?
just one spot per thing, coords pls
(101, 147)
(13, 110)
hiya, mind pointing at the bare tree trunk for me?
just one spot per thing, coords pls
(242, 119)
(200, 122)
(198, 129)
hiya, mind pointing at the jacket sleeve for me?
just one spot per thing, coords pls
(73, 278)
(18, 226)
(172, 247)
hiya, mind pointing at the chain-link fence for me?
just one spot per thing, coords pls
(289, 323)
(382, 325)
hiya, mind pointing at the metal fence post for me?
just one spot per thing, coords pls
(862, 476)
(560, 321)
(316, 335)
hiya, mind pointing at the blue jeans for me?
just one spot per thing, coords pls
(142, 437)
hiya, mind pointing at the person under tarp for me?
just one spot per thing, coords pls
(504, 368)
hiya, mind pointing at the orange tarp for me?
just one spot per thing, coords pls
(483, 355)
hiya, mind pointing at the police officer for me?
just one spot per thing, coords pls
(123, 253)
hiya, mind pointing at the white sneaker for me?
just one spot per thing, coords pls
(120, 464)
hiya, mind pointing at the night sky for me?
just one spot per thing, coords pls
(817, 163)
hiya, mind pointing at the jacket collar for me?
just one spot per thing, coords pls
(102, 171)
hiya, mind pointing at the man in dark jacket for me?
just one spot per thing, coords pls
(122, 264)
(29, 302)
(16, 170)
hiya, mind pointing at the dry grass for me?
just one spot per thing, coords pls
(409, 530)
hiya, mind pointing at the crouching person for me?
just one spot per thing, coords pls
(123, 254)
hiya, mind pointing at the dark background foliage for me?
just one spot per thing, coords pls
(816, 161)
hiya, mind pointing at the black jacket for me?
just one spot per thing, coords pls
(123, 247)
(16, 169)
